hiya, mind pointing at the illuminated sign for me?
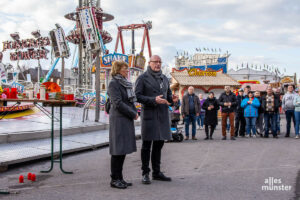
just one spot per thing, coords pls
(28, 55)
(27, 43)
(108, 59)
(132, 61)
(197, 72)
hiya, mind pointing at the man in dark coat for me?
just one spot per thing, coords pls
(240, 122)
(190, 110)
(227, 101)
(153, 92)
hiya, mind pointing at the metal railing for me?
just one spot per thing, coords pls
(86, 108)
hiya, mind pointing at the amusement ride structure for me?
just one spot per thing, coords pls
(93, 60)
(76, 36)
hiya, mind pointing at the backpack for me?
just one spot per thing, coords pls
(107, 105)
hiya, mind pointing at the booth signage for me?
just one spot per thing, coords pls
(197, 72)
(108, 59)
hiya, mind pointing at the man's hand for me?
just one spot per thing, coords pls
(183, 116)
(160, 100)
(197, 114)
(226, 104)
(229, 104)
(137, 116)
(209, 108)
(212, 107)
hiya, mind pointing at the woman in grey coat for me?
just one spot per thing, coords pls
(122, 114)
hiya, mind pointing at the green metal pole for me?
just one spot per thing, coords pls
(60, 141)
(52, 140)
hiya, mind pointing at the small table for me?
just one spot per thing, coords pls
(52, 103)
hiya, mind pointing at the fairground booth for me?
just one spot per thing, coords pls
(207, 73)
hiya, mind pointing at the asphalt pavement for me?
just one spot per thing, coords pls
(247, 168)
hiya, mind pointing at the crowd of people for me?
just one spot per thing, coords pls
(152, 91)
(249, 113)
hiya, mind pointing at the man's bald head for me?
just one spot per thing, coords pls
(155, 63)
(154, 57)
(191, 90)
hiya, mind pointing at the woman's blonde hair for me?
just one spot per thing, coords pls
(116, 67)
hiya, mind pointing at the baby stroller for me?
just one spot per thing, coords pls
(177, 135)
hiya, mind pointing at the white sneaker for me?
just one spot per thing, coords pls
(254, 136)
(297, 137)
(247, 136)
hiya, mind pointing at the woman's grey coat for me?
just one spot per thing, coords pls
(121, 120)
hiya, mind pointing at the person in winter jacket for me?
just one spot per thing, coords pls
(270, 105)
(153, 91)
(227, 101)
(211, 108)
(190, 110)
(200, 118)
(289, 108)
(297, 113)
(278, 117)
(240, 122)
(260, 118)
(121, 122)
(250, 105)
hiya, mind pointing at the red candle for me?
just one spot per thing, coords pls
(21, 179)
(29, 176)
(13, 93)
(33, 177)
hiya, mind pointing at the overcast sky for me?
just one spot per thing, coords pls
(253, 31)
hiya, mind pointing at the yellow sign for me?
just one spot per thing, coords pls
(198, 72)
(286, 80)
